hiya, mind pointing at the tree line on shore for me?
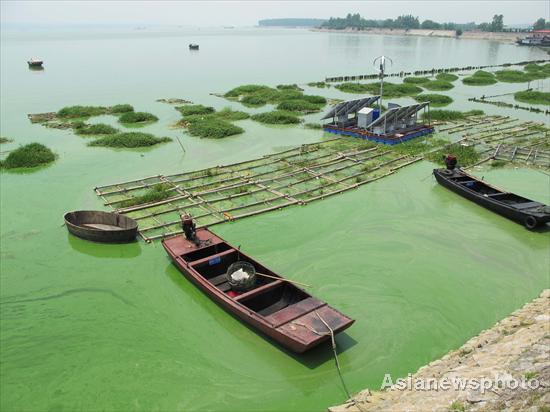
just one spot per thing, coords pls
(408, 21)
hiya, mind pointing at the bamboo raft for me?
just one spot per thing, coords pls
(221, 194)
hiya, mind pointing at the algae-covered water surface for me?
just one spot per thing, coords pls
(87, 326)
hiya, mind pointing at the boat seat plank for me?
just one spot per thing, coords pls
(218, 279)
(224, 287)
(496, 194)
(527, 205)
(258, 290)
(294, 311)
(211, 257)
(464, 182)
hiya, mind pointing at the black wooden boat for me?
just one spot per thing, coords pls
(193, 46)
(35, 63)
(101, 226)
(514, 207)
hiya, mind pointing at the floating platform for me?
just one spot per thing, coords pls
(388, 138)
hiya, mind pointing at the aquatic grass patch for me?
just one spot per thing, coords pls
(5, 140)
(121, 108)
(75, 112)
(446, 77)
(438, 85)
(416, 80)
(137, 117)
(480, 78)
(390, 89)
(299, 105)
(156, 193)
(276, 117)
(213, 128)
(230, 115)
(436, 100)
(258, 95)
(534, 97)
(466, 155)
(289, 87)
(320, 85)
(28, 156)
(129, 140)
(450, 115)
(314, 126)
(245, 89)
(518, 76)
(194, 109)
(498, 163)
(419, 146)
(98, 129)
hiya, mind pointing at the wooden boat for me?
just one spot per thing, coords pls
(193, 46)
(514, 207)
(275, 307)
(101, 226)
(35, 63)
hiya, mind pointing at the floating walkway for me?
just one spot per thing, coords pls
(221, 194)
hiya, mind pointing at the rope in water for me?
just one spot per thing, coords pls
(331, 333)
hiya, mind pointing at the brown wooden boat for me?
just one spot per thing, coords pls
(101, 226)
(274, 306)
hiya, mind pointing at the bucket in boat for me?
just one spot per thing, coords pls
(241, 276)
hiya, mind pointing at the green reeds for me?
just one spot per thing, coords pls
(28, 156)
(75, 112)
(276, 117)
(416, 80)
(390, 89)
(466, 155)
(436, 100)
(450, 115)
(213, 128)
(137, 117)
(533, 97)
(154, 194)
(129, 140)
(437, 85)
(480, 78)
(446, 77)
(98, 129)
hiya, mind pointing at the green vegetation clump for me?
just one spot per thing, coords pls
(390, 89)
(5, 140)
(450, 115)
(195, 109)
(85, 129)
(466, 155)
(416, 80)
(320, 85)
(534, 97)
(498, 163)
(156, 193)
(289, 87)
(129, 140)
(480, 78)
(436, 100)
(122, 108)
(276, 117)
(438, 85)
(230, 114)
(446, 77)
(315, 126)
(299, 105)
(252, 95)
(75, 112)
(30, 155)
(213, 128)
(137, 117)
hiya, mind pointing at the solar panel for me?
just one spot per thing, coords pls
(396, 114)
(351, 106)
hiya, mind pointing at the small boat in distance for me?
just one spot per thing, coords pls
(272, 305)
(193, 46)
(100, 226)
(35, 62)
(527, 212)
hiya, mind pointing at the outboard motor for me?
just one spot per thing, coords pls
(450, 162)
(189, 227)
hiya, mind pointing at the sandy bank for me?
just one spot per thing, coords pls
(478, 35)
(516, 349)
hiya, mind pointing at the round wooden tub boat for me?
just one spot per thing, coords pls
(101, 226)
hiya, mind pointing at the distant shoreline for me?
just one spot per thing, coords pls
(476, 35)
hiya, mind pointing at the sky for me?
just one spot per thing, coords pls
(248, 12)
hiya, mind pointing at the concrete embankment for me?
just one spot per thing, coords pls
(482, 374)
(477, 35)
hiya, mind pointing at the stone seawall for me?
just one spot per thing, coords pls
(515, 350)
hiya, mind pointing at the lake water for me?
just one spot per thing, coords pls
(88, 326)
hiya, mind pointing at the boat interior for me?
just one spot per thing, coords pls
(266, 297)
(510, 199)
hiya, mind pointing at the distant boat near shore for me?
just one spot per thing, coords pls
(35, 63)
(193, 46)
